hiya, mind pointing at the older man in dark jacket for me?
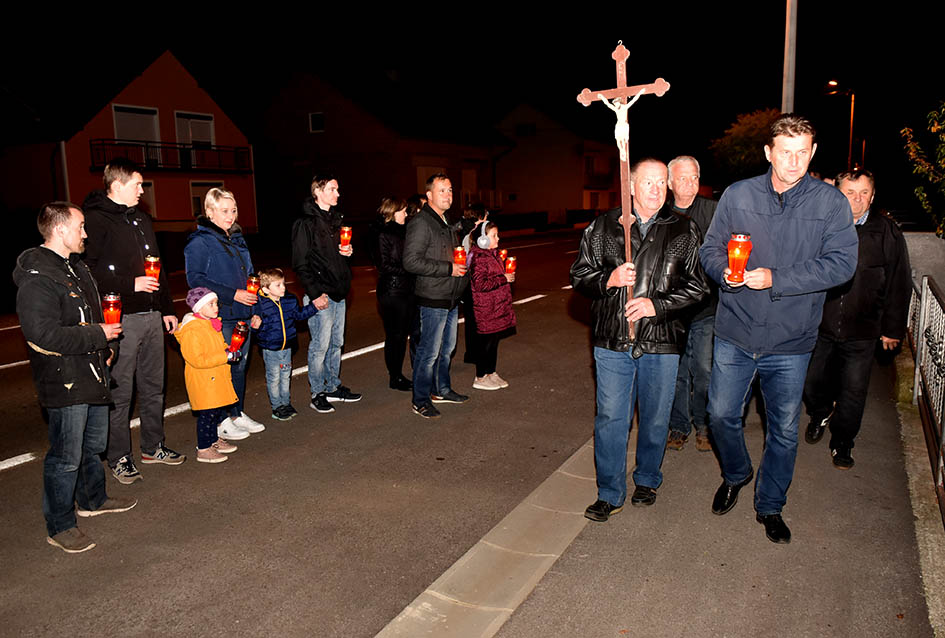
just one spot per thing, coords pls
(61, 318)
(666, 278)
(872, 307)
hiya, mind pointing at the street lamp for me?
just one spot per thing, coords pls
(834, 89)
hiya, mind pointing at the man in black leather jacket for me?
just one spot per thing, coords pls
(666, 278)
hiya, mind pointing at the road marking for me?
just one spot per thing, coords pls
(185, 407)
(527, 299)
(568, 287)
(11, 327)
(17, 460)
(14, 364)
(570, 252)
(544, 243)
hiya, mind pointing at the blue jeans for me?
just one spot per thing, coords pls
(278, 375)
(72, 470)
(782, 385)
(327, 331)
(431, 370)
(237, 370)
(689, 406)
(623, 381)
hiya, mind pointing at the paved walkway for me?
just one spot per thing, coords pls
(674, 569)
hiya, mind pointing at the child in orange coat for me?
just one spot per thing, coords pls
(206, 372)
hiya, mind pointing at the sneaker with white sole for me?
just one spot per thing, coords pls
(125, 471)
(164, 455)
(71, 541)
(343, 394)
(230, 430)
(485, 382)
(224, 447)
(112, 505)
(499, 380)
(320, 404)
(210, 455)
(248, 424)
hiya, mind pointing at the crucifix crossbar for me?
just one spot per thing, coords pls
(619, 101)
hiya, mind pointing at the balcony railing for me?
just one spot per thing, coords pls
(168, 156)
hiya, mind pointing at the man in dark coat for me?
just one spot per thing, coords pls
(69, 342)
(872, 306)
(695, 364)
(321, 263)
(120, 237)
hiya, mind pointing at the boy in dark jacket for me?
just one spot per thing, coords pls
(71, 348)
(275, 323)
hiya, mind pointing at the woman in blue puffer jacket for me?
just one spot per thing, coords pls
(216, 257)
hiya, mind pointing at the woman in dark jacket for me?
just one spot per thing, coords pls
(394, 288)
(216, 257)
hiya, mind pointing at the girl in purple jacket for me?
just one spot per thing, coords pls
(492, 303)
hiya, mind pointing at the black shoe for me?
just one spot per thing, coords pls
(727, 495)
(601, 511)
(290, 411)
(280, 414)
(427, 411)
(449, 397)
(842, 460)
(320, 403)
(343, 395)
(643, 496)
(816, 428)
(775, 529)
(401, 383)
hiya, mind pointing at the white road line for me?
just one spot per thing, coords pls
(568, 287)
(17, 460)
(13, 365)
(570, 252)
(184, 407)
(544, 243)
(527, 299)
(10, 327)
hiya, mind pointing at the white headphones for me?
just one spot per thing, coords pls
(483, 240)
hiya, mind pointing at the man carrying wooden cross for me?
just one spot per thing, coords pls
(665, 277)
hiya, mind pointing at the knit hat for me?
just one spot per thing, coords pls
(198, 297)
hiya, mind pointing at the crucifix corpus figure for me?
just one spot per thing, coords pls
(622, 129)
(618, 100)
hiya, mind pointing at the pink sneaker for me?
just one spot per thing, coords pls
(224, 447)
(210, 455)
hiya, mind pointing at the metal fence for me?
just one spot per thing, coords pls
(172, 157)
(927, 340)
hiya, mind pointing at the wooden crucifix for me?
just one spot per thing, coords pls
(619, 101)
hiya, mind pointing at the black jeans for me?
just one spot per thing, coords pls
(398, 312)
(838, 380)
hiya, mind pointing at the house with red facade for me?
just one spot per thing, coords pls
(163, 121)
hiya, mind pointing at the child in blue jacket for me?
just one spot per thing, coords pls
(274, 321)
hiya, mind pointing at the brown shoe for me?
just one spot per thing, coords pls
(702, 443)
(676, 440)
(71, 541)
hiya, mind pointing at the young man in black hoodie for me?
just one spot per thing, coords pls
(120, 237)
(321, 263)
(71, 347)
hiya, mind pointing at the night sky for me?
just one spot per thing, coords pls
(451, 80)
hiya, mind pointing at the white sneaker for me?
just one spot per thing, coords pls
(228, 429)
(246, 423)
(485, 383)
(499, 381)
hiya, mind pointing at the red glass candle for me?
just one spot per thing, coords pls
(739, 248)
(152, 266)
(459, 255)
(240, 330)
(503, 253)
(111, 307)
(510, 264)
(252, 284)
(345, 235)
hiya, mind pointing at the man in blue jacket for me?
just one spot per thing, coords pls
(803, 243)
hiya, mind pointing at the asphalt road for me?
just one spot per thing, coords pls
(326, 525)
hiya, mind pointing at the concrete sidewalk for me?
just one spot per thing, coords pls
(675, 569)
